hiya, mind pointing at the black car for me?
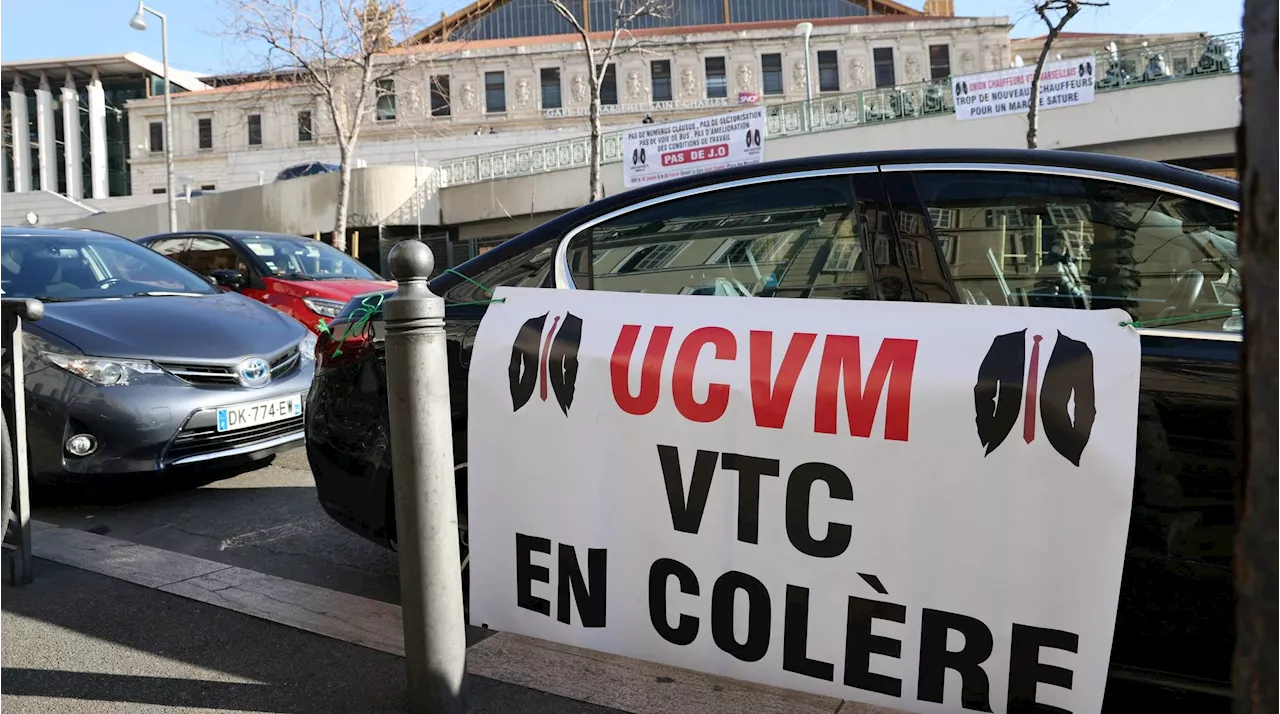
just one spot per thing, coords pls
(980, 227)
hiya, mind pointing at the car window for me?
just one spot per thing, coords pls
(1058, 241)
(305, 258)
(170, 247)
(794, 238)
(527, 269)
(79, 267)
(207, 254)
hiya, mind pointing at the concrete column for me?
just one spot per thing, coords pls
(46, 136)
(97, 137)
(21, 137)
(71, 138)
(4, 169)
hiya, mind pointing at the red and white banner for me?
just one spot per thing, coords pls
(657, 152)
(917, 506)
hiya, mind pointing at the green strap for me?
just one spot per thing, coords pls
(478, 284)
(359, 323)
(1178, 319)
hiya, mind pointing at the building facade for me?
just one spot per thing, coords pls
(512, 76)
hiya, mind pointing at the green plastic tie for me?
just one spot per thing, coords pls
(1178, 319)
(478, 284)
(369, 306)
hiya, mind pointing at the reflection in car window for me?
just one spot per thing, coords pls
(522, 270)
(85, 267)
(206, 255)
(1055, 241)
(794, 238)
(306, 258)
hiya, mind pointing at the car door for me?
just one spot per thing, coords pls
(1164, 254)
(813, 235)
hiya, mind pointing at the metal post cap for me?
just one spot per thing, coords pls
(410, 259)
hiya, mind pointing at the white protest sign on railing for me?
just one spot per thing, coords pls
(657, 152)
(918, 506)
(1063, 83)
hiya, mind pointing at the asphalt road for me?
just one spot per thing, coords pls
(266, 520)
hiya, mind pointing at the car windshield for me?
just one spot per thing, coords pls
(287, 256)
(90, 266)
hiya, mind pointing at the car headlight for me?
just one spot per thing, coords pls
(320, 306)
(307, 346)
(102, 371)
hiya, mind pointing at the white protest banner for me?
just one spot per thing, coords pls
(918, 506)
(1063, 83)
(657, 152)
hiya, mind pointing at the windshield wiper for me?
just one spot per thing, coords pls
(166, 293)
(294, 276)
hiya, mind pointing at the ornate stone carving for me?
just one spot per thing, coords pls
(797, 74)
(858, 71)
(966, 61)
(522, 92)
(635, 87)
(913, 69)
(467, 95)
(578, 87)
(688, 82)
(746, 78)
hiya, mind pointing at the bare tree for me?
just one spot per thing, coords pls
(1055, 14)
(620, 41)
(338, 51)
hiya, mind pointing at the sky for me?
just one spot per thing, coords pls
(38, 29)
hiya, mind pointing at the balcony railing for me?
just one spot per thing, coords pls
(1138, 67)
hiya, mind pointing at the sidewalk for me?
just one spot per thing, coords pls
(113, 626)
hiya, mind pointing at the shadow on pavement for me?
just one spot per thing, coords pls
(133, 488)
(152, 648)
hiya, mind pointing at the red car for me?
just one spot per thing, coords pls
(302, 277)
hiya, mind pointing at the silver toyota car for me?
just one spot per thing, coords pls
(140, 365)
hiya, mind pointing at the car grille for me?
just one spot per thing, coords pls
(223, 375)
(205, 440)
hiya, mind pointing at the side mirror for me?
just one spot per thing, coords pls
(227, 278)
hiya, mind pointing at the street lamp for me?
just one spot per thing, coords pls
(805, 29)
(139, 22)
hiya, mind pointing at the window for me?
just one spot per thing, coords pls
(159, 191)
(170, 247)
(495, 92)
(771, 73)
(255, 129)
(206, 255)
(155, 136)
(1179, 65)
(660, 78)
(609, 87)
(769, 239)
(942, 218)
(939, 62)
(439, 95)
(306, 132)
(204, 131)
(717, 79)
(386, 92)
(828, 71)
(882, 58)
(208, 187)
(1056, 241)
(550, 78)
(523, 270)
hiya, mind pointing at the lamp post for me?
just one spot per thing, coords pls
(805, 29)
(139, 22)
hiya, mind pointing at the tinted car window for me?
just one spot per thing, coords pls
(1056, 241)
(83, 267)
(206, 255)
(797, 238)
(170, 247)
(528, 269)
(292, 257)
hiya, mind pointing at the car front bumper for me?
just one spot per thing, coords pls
(150, 427)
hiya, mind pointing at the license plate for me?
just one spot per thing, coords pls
(243, 416)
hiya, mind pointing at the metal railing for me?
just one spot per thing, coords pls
(1204, 57)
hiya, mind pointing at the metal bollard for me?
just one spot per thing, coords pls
(426, 508)
(15, 311)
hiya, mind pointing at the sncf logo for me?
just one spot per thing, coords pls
(539, 361)
(1008, 385)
